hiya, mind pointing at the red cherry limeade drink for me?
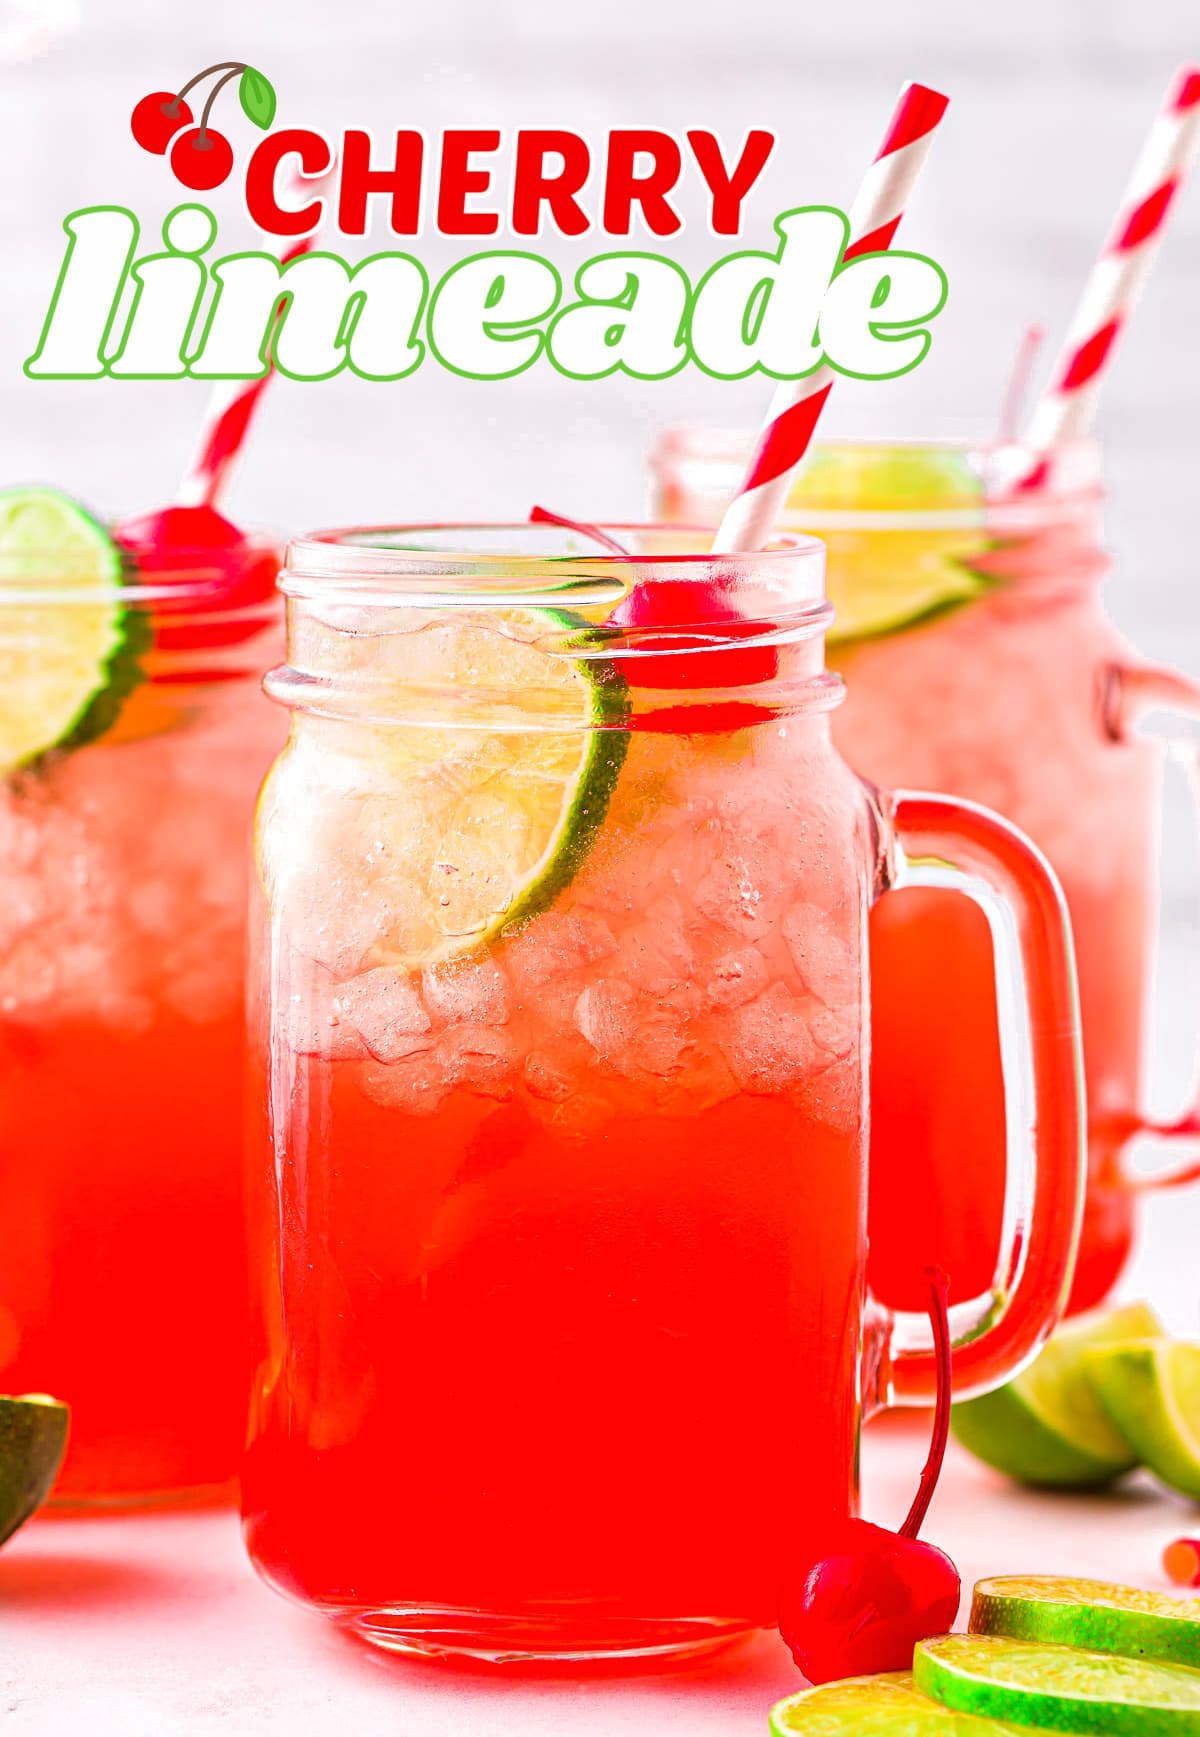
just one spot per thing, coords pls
(564, 1173)
(558, 1205)
(979, 660)
(133, 736)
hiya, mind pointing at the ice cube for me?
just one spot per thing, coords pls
(554, 1070)
(556, 942)
(416, 1085)
(655, 954)
(741, 887)
(480, 1056)
(23, 907)
(770, 1043)
(315, 1021)
(606, 1014)
(826, 950)
(737, 978)
(338, 920)
(472, 991)
(384, 1007)
(660, 1038)
(29, 978)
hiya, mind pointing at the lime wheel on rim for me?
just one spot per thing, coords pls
(69, 646)
(466, 832)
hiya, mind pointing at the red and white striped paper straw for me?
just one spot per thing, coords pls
(797, 404)
(1065, 409)
(232, 404)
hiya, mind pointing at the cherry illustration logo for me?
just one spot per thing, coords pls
(200, 157)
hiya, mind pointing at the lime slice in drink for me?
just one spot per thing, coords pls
(33, 1438)
(452, 833)
(67, 656)
(1151, 1391)
(885, 576)
(1059, 1688)
(1047, 1426)
(883, 1706)
(1089, 1613)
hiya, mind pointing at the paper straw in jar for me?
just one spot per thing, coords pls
(797, 404)
(1065, 410)
(232, 403)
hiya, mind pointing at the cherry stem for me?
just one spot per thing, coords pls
(939, 1320)
(214, 93)
(540, 516)
(172, 108)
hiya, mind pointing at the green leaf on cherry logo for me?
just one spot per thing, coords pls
(257, 97)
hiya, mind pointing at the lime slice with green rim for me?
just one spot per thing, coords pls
(1089, 1613)
(33, 1438)
(882, 1706)
(1059, 1688)
(1047, 1426)
(66, 661)
(882, 577)
(466, 832)
(1151, 1391)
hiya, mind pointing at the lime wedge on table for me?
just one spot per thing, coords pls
(1047, 1426)
(1089, 1613)
(1151, 1391)
(465, 832)
(881, 578)
(33, 1438)
(66, 661)
(1059, 1688)
(878, 1706)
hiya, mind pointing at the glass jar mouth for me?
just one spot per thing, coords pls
(406, 622)
(977, 479)
(533, 565)
(200, 582)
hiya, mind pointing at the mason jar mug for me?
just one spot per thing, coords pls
(979, 660)
(560, 1036)
(124, 816)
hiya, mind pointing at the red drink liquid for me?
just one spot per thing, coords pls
(553, 1286)
(121, 1042)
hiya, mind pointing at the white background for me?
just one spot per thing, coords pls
(1050, 99)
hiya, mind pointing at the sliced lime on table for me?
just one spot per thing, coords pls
(33, 1439)
(1094, 1614)
(1047, 1427)
(67, 651)
(1058, 1688)
(875, 1707)
(1151, 1392)
(886, 576)
(469, 831)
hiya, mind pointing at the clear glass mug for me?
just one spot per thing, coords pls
(560, 1033)
(979, 661)
(122, 918)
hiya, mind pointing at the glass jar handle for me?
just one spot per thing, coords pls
(1129, 693)
(959, 847)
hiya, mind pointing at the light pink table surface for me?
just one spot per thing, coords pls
(154, 1626)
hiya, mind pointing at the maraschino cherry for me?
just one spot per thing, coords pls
(864, 1605)
(179, 544)
(157, 118)
(682, 660)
